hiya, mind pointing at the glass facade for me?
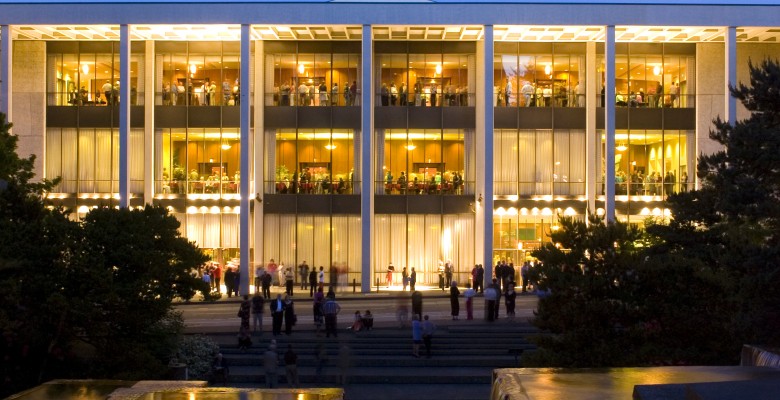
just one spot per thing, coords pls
(186, 155)
(424, 161)
(425, 80)
(311, 161)
(198, 161)
(297, 77)
(539, 75)
(197, 73)
(87, 74)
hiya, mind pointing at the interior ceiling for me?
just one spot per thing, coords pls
(394, 32)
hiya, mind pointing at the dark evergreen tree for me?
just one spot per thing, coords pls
(85, 299)
(730, 227)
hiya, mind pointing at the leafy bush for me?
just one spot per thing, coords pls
(197, 351)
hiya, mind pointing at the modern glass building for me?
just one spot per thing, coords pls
(353, 135)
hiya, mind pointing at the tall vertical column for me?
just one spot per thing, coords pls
(124, 115)
(258, 137)
(148, 96)
(593, 142)
(483, 196)
(366, 160)
(6, 61)
(731, 73)
(609, 123)
(244, 88)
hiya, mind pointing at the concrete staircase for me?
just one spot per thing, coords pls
(381, 365)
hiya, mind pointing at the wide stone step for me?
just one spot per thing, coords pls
(362, 375)
(396, 361)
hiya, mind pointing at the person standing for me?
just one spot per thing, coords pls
(277, 313)
(480, 282)
(312, 281)
(289, 315)
(412, 279)
(319, 318)
(405, 277)
(525, 270)
(303, 272)
(289, 277)
(448, 271)
(107, 90)
(270, 365)
(416, 336)
(454, 302)
(291, 367)
(257, 312)
(353, 93)
(259, 271)
(265, 281)
(271, 269)
(509, 299)
(469, 294)
(390, 270)
(217, 273)
(331, 310)
(230, 279)
(417, 302)
(428, 329)
(321, 278)
(491, 298)
(441, 276)
(244, 312)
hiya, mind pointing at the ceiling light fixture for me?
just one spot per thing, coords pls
(85, 68)
(330, 146)
(621, 148)
(438, 68)
(301, 68)
(657, 70)
(547, 69)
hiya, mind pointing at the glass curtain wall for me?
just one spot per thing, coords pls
(198, 73)
(539, 75)
(298, 77)
(87, 159)
(423, 242)
(425, 80)
(651, 164)
(653, 75)
(199, 162)
(539, 162)
(311, 161)
(424, 161)
(87, 74)
(328, 241)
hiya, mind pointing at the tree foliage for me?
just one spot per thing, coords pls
(700, 285)
(89, 298)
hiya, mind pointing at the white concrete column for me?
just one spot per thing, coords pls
(366, 160)
(731, 73)
(6, 61)
(258, 138)
(609, 123)
(149, 89)
(124, 115)
(593, 141)
(244, 86)
(483, 196)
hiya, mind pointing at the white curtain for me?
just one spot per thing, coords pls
(322, 242)
(270, 237)
(69, 163)
(382, 250)
(505, 162)
(544, 162)
(577, 161)
(459, 229)
(432, 248)
(195, 228)
(305, 242)
(54, 156)
(211, 230)
(230, 230)
(526, 146)
(354, 244)
(86, 160)
(415, 241)
(136, 161)
(287, 244)
(561, 162)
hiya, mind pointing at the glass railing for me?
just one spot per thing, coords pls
(87, 99)
(197, 98)
(313, 187)
(426, 100)
(423, 187)
(317, 99)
